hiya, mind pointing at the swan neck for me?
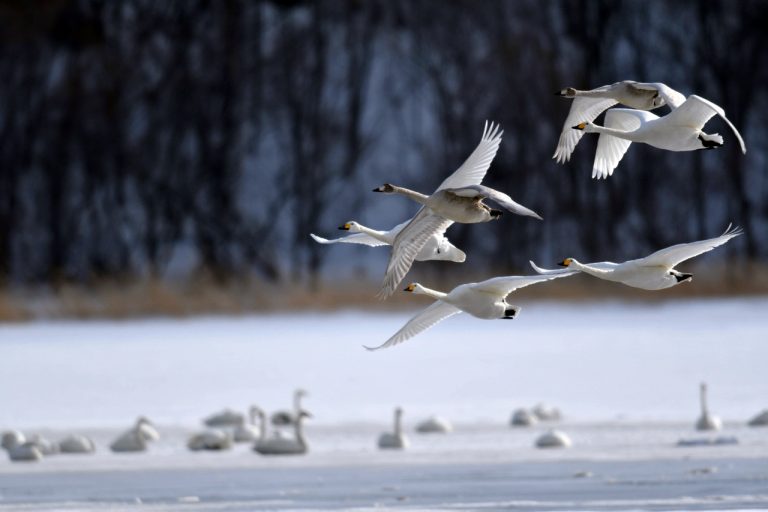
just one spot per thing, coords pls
(431, 293)
(378, 235)
(398, 423)
(297, 402)
(627, 135)
(586, 269)
(590, 94)
(703, 398)
(416, 196)
(299, 430)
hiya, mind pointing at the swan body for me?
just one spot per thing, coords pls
(587, 105)
(434, 425)
(486, 300)
(523, 418)
(25, 452)
(654, 272)
(45, 446)
(210, 440)
(544, 412)
(136, 439)
(760, 420)
(437, 247)
(248, 432)
(459, 198)
(706, 421)
(680, 130)
(12, 438)
(394, 440)
(76, 444)
(282, 418)
(281, 445)
(554, 439)
(225, 418)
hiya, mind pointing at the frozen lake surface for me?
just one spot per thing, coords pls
(625, 376)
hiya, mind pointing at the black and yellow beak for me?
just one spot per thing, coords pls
(565, 262)
(344, 227)
(579, 126)
(409, 288)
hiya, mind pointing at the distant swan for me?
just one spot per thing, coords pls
(587, 105)
(486, 300)
(282, 418)
(212, 440)
(281, 445)
(459, 198)
(680, 130)
(12, 438)
(706, 421)
(395, 440)
(225, 418)
(76, 444)
(437, 246)
(544, 412)
(654, 272)
(760, 420)
(523, 418)
(250, 431)
(135, 439)
(553, 439)
(25, 452)
(434, 424)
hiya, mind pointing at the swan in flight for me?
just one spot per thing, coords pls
(554, 439)
(706, 421)
(437, 246)
(282, 418)
(654, 272)
(281, 445)
(486, 300)
(434, 425)
(135, 439)
(394, 440)
(680, 130)
(587, 105)
(459, 198)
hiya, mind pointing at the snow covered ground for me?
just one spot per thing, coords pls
(624, 374)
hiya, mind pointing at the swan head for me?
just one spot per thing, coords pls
(585, 127)
(415, 288)
(568, 92)
(300, 393)
(657, 100)
(566, 262)
(350, 226)
(385, 188)
(398, 411)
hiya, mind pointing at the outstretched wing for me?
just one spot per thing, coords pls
(356, 238)
(671, 256)
(583, 110)
(407, 245)
(610, 149)
(494, 195)
(696, 111)
(473, 170)
(435, 313)
(555, 272)
(503, 286)
(671, 97)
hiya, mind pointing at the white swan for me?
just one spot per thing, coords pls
(434, 425)
(654, 272)
(544, 412)
(76, 444)
(486, 300)
(523, 418)
(282, 418)
(458, 199)
(437, 246)
(210, 440)
(680, 130)
(225, 418)
(135, 439)
(24, 452)
(706, 421)
(45, 446)
(281, 445)
(760, 420)
(554, 439)
(12, 438)
(250, 431)
(394, 440)
(587, 105)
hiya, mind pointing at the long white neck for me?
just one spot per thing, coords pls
(398, 422)
(297, 402)
(628, 135)
(703, 398)
(588, 269)
(423, 290)
(262, 425)
(416, 196)
(589, 94)
(382, 236)
(299, 430)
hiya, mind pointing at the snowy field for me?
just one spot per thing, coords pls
(625, 376)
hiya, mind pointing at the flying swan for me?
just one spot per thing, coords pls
(486, 300)
(654, 272)
(437, 246)
(680, 130)
(458, 199)
(587, 105)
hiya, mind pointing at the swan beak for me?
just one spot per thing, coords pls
(579, 126)
(377, 189)
(409, 288)
(344, 227)
(565, 262)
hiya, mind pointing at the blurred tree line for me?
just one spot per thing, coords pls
(139, 136)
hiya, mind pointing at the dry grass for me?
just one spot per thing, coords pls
(202, 295)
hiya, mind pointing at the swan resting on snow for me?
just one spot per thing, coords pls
(394, 440)
(486, 300)
(554, 439)
(282, 418)
(281, 445)
(523, 418)
(760, 420)
(76, 444)
(247, 432)
(135, 439)
(459, 198)
(225, 418)
(706, 421)
(680, 130)
(210, 440)
(434, 425)
(437, 246)
(654, 272)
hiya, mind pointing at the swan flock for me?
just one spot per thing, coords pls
(461, 198)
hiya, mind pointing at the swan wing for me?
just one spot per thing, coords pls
(497, 197)
(553, 272)
(611, 149)
(701, 108)
(473, 170)
(407, 245)
(671, 256)
(435, 313)
(583, 110)
(503, 286)
(355, 238)
(671, 97)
